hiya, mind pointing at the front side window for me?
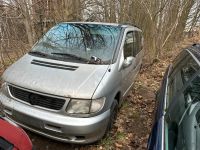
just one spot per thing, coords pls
(128, 45)
(81, 40)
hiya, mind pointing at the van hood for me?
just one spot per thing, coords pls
(67, 79)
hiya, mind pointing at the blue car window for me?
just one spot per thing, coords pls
(174, 85)
(189, 70)
(182, 81)
(182, 72)
(194, 90)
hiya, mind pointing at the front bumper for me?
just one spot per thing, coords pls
(54, 125)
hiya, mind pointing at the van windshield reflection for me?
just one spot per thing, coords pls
(80, 41)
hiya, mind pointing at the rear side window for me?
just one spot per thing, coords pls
(137, 42)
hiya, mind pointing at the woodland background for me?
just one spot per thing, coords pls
(164, 22)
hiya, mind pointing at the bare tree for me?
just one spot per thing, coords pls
(163, 22)
(23, 22)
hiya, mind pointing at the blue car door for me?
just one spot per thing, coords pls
(155, 139)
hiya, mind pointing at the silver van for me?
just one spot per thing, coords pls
(72, 82)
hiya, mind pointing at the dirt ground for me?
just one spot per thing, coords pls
(135, 117)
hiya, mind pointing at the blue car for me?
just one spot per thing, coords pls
(177, 119)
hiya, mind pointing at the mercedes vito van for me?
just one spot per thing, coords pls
(71, 83)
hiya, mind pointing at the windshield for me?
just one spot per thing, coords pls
(81, 40)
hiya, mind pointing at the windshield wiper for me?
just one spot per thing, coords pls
(38, 53)
(71, 55)
(95, 60)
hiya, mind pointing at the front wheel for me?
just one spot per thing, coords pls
(113, 116)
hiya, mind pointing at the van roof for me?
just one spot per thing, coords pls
(105, 23)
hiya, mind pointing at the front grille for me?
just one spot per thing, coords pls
(37, 99)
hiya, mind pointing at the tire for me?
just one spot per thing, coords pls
(113, 116)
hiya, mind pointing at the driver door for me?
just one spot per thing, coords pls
(128, 72)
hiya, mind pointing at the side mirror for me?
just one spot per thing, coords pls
(128, 61)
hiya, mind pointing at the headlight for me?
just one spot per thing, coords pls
(78, 106)
(81, 106)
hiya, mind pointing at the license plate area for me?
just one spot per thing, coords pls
(27, 120)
